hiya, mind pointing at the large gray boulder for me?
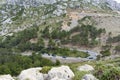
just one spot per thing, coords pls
(85, 67)
(56, 73)
(89, 77)
(6, 77)
(60, 73)
(31, 74)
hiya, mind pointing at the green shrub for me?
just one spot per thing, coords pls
(57, 62)
(108, 74)
(13, 63)
(105, 53)
(45, 69)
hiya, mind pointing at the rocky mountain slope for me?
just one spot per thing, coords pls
(16, 15)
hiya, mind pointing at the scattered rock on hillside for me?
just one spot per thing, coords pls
(89, 77)
(110, 65)
(85, 67)
(6, 77)
(31, 74)
(60, 73)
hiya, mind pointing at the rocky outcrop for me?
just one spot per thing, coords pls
(56, 73)
(89, 77)
(85, 67)
(6, 77)
(61, 73)
(31, 74)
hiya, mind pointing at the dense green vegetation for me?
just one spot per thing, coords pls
(109, 74)
(14, 63)
(20, 42)
(108, 70)
(117, 49)
(56, 33)
(87, 35)
(105, 53)
(66, 52)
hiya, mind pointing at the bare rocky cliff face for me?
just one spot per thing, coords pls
(111, 3)
(35, 3)
(114, 5)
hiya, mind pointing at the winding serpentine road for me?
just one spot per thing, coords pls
(93, 56)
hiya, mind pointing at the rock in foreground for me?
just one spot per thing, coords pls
(31, 74)
(89, 77)
(56, 73)
(62, 73)
(85, 67)
(6, 77)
